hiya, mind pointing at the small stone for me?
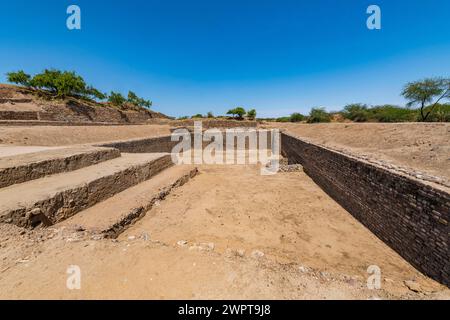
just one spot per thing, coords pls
(207, 246)
(257, 254)
(413, 286)
(182, 243)
(131, 238)
(36, 212)
(23, 261)
(79, 229)
(240, 252)
(303, 269)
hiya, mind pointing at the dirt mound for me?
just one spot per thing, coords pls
(18, 103)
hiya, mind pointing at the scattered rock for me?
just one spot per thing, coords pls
(131, 238)
(98, 237)
(235, 253)
(182, 243)
(208, 246)
(35, 212)
(79, 229)
(291, 168)
(23, 261)
(413, 286)
(303, 269)
(241, 253)
(257, 254)
(203, 247)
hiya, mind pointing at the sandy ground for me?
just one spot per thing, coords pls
(8, 151)
(421, 146)
(69, 135)
(222, 235)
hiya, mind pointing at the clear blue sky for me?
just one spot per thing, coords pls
(195, 56)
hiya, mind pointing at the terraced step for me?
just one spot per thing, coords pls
(114, 215)
(20, 165)
(55, 198)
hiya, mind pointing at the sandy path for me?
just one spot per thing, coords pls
(229, 217)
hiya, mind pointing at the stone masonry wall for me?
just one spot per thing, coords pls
(145, 145)
(409, 215)
(165, 144)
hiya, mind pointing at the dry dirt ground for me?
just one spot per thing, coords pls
(70, 135)
(421, 146)
(228, 233)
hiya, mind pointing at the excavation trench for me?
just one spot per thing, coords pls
(410, 215)
(232, 232)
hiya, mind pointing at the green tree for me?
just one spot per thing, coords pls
(46, 80)
(69, 84)
(296, 117)
(390, 113)
(251, 114)
(239, 112)
(283, 119)
(356, 112)
(63, 84)
(137, 101)
(19, 77)
(95, 94)
(198, 115)
(210, 115)
(441, 113)
(424, 92)
(318, 115)
(116, 99)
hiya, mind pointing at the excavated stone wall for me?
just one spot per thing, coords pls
(409, 215)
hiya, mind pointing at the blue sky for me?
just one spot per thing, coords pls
(197, 56)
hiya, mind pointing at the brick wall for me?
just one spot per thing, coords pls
(18, 115)
(145, 145)
(409, 215)
(213, 123)
(165, 143)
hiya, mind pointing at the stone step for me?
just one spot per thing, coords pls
(52, 199)
(21, 164)
(112, 216)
